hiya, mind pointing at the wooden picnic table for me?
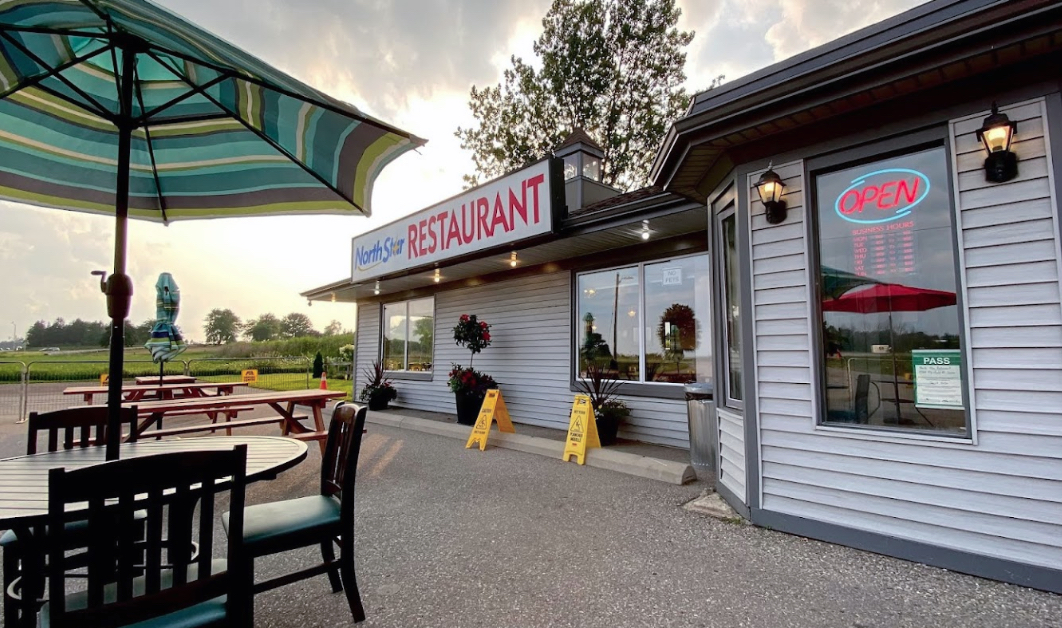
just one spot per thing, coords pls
(283, 402)
(166, 379)
(164, 391)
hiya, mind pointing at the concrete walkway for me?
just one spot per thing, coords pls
(653, 462)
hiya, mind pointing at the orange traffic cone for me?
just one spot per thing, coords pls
(324, 381)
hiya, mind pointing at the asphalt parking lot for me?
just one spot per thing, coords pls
(449, 537)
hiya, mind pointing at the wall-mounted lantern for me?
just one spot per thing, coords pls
(995, 136)
(376, 289)
(770, 189)
(512, 259)
(437, 277)
(645, 229)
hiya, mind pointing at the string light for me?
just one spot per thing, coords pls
(512, 259)
(645, 229)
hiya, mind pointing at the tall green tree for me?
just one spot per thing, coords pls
(295, 325)
(334, 328)
(265, 327)
(612, 67)
(221, 326)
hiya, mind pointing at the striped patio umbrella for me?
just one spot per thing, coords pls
(166, 341)
(121, 107)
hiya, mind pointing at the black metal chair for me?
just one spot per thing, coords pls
(159, 581)
(860, 412)
(63, 429)
(321, 519)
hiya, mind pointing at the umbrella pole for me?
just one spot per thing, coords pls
(119, 286)
(895, 381)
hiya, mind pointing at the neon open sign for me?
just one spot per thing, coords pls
(882, 196)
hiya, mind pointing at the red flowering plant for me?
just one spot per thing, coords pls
(469, 381)
(473, 334)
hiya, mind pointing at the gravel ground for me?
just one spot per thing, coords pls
(449, 537)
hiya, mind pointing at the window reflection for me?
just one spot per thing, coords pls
(408, 335)
(609, 330)
(677, 336)
(394, 336)
(732, 308)
(890, 320)
(421, 334)
(673, 328)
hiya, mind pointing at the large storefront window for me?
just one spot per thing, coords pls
(408, 335)
(891, 332)
(647, 322)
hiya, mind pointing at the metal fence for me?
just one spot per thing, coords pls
(12, 390)
(45, 382)
(280, 373)
(42, 386)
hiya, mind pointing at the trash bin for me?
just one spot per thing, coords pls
(703, 429)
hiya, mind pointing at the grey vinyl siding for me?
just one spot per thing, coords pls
(732, 452)
(530, 357)
(367, 347)
(998, 494)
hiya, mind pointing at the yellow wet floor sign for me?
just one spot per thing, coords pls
(493, 409)
(582, 430)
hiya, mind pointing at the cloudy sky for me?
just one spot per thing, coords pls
(410, 62)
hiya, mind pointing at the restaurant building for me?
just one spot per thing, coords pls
(855, 246)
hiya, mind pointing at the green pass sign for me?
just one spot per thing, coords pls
(938, 378)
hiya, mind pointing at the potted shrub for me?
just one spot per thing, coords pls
(378, 390)
(469, 385)
(609, 410)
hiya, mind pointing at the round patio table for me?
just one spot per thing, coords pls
(24, 479)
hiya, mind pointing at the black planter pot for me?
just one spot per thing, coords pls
(468, 408)
(378, 402)
(607, 427)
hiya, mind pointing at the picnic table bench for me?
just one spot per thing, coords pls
(140, 392)
(283, 402)
(166, 379)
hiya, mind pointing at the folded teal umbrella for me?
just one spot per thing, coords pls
(166, 341)
(121, 107)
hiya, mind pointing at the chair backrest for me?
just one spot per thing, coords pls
(127, 579)
(78, 427)
(862, 394)
(339, 466)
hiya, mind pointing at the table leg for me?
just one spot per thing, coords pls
(318, 421)
(154, 417)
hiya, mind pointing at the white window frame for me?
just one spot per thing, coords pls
(641, 313)
(405, 355)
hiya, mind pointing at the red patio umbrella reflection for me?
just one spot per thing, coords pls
(889, 297)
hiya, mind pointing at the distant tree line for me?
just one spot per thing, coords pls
(81, 333)
(223, 326)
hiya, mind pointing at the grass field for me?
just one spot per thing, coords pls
(202, 362)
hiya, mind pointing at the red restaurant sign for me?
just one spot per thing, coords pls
(506, 210)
